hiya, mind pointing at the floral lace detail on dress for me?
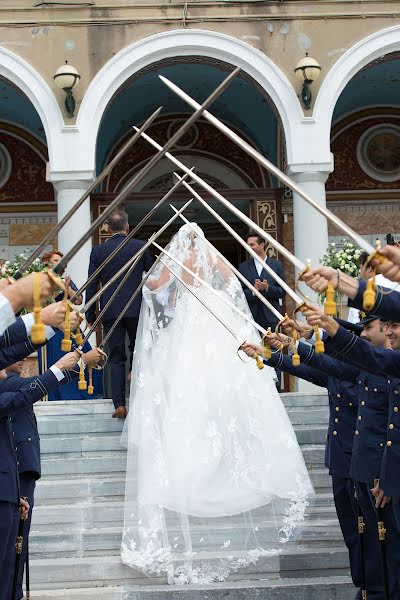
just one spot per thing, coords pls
(296, 512)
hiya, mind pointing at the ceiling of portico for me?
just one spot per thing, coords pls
(377, 84)
(15, 107)
(242, 104)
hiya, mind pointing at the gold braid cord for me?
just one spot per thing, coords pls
(38, 335)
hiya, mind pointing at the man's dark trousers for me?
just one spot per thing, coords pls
(117, 354)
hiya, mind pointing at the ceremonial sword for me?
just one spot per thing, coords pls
(129, 237)
(50, 236)
(130, 265)
(256, 357)
(271, 167)
(60, 267)
(238, 274)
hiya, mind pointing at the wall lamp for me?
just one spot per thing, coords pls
(307, 70)
(66, 78)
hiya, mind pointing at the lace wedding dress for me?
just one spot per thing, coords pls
(215, 477)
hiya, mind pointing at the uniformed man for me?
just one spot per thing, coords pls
(369, 437)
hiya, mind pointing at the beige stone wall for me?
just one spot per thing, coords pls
(88, 36)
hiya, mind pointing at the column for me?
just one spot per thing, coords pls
(310, 227)
(310, 233)
(68, 193)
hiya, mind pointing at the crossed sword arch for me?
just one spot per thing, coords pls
(165, 257)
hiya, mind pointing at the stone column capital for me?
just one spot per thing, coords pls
(69, 184)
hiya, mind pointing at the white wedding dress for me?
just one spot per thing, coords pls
(215, 477)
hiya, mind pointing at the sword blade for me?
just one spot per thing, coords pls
(211, 289)
(293, 259)
(59, 268)
(203, 303)
(47, 239)
(271, 167)
(131, 299)
(131, 264)
(129, 236)
(238, 274)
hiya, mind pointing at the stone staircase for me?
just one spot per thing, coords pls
(77, 520)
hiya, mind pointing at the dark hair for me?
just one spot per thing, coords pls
(117, 221)
(260, 240)
(363, 258)
(47, 256)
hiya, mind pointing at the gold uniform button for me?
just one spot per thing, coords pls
(375, 390)
(396, 392)
(29, 439)
(335, 433)
(381, 444)
(337, 409)
(359, 417)
(396, 409)
(336, 420)
(350, 404)
(389, 443)
(356, 432)
(391, 426)
(337, 395)
(363, 403)
(366, 388)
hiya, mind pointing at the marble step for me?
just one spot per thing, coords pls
(80, 541)
(328, 588)
(102, 423)
(89, 514)
(76, 444)
(86, 462)
(105, 406)
(107, 570)
(100, 486)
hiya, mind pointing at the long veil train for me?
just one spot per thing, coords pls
(215, 477)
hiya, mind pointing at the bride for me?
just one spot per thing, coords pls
(215, 477)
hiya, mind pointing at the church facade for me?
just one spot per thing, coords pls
(342, 147)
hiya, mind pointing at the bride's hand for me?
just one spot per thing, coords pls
(250, 348)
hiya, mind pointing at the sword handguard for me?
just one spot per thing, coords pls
(279, 324)
(66, 343)
(259, 362)
(267, 345)
(381, 531)
(330, 307)
(90, 389)
(319, 344)
(100, 367)
(295, 356)
(369, 296)
(38, 334)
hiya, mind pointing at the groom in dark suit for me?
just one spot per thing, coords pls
(264, 283)
(119, 228)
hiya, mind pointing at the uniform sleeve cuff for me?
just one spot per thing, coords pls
(7, 316)
(28, 322)
(57, 372)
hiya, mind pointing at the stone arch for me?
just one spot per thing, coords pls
(358, 56)
(185, 42)
(19, 72)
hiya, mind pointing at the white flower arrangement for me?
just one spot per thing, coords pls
(345, 258)
(10, 267)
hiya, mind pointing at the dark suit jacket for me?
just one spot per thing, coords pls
(98, 255)
(261, 314)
